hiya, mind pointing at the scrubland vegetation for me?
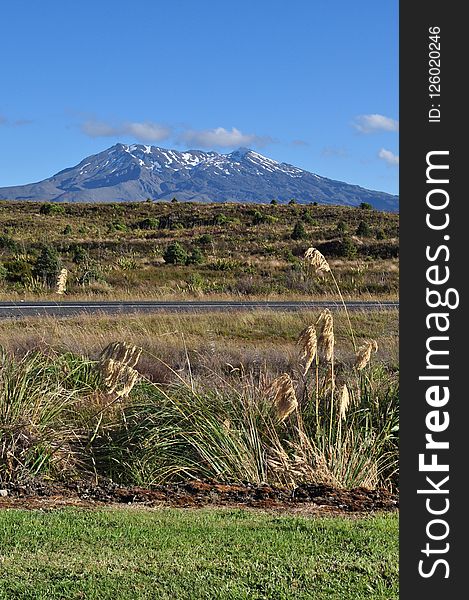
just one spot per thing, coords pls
(175, 249)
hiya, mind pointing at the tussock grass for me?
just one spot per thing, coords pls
(58, 419)
(39, 424)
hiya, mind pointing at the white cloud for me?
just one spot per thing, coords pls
(221, 137)
(148, 132)
(375, 123)
(155, 132)
(389, 157)
(142, 132)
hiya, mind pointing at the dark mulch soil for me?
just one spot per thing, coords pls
(42, 494)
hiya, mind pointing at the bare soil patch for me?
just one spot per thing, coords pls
(306, 498)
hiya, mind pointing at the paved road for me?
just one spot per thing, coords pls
(66, 309)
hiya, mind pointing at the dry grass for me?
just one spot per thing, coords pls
(308, 343)
(221, 343)
(284, 397)
(116, 365)
(363, 355)
(316, 261)
(326, 339)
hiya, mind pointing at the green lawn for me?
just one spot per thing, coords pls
(131, 554)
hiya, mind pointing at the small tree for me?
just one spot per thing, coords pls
(366, 206)
(274, 202)
(292, 201)
(349, 249)
(299, 231)
(47, 265)
(363, 229)
(175, 254)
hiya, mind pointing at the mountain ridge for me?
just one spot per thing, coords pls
(132, 172)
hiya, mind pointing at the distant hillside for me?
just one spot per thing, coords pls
(137, 172)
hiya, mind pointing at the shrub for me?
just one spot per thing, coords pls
(67, 230)
(117, 226)
(175, 254)
(299, 231)
(47, 265)
(91, 275)
(341, 227)
(363, 229)
(259, 218)
(365, 206)
(221, 219)
(205, 239)
(8, 243)
(349, 248)
(18, 270)
(149, 223)
(52, 209)
(196, 257)
(79, 255)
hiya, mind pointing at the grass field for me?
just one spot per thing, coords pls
(213, 340)
(129, 554)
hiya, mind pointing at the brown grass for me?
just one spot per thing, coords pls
(235, 345)
(363, 355)
(283, 396)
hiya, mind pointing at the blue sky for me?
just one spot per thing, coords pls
(309, 82)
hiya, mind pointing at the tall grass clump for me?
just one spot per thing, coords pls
(38, 424)
(286, 433)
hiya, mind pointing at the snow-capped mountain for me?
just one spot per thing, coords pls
(137, 172)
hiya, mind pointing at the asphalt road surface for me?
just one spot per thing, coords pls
(67, 309)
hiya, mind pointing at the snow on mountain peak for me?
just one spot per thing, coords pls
(128, 172)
